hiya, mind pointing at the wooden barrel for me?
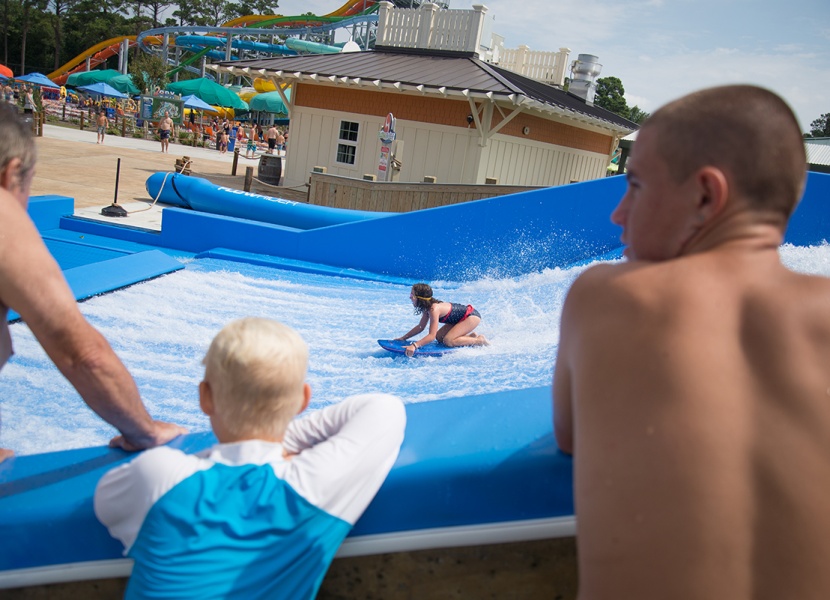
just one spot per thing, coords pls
(270, 169)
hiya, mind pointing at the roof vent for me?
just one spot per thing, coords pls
(583, 83)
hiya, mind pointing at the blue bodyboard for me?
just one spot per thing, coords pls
(431, 349)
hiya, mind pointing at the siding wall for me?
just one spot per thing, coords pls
(436, 140)
(517, 162)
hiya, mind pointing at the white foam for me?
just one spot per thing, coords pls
(162, 328)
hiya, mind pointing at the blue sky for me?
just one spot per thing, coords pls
(663, 49)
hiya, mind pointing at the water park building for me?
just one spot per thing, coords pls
(459, 118)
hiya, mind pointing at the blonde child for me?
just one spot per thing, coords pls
(262, 513)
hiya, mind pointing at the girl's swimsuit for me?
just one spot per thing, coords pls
(458, 313)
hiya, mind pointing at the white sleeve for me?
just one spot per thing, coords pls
(124, 495)
(345, 452)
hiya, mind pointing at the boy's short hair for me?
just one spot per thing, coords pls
(748, 130)
(256, 369)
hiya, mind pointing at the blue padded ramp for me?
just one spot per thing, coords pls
(92, 279)
(458, 466)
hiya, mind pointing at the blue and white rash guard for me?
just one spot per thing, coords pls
(240, 520)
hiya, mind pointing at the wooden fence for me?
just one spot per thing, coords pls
(359, 194)
(549, 67)
(428, 27)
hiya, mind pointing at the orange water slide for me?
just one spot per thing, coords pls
(97, 54)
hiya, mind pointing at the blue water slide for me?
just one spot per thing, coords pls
(298, 45)
(200, 41)
(180, 30)
(202, 195)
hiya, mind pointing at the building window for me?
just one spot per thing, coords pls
(347, 146)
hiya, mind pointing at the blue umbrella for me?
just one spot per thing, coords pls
(38, 79)
(102, 89)
(195, 103)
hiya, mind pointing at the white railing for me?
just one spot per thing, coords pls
(429, 28)
(548, 67)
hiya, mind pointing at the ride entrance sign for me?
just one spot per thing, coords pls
(387, 137)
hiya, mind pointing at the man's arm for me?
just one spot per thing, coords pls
(32, 284)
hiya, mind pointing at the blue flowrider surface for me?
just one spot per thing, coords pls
(431, 349)
(465, 461)
(96, 278)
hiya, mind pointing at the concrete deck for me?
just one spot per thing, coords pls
(71, 163)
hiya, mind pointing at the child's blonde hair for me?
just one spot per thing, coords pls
(256, 369)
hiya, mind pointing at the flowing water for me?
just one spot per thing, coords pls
(161, 329)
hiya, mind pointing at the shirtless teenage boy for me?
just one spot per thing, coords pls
(165, 128)
(692, 382)
(103, 123)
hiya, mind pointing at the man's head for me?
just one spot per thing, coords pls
(17, 153)
(747, 131)
(254, 379)
(733, 145)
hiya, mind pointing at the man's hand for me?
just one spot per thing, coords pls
(161, 434)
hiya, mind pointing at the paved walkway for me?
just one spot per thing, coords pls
(71, 163)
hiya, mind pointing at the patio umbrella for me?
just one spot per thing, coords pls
(124, 83)
(270, 102)
(89, 77)
(209, 91)
(102, 89)
(6, 72)
(195, 103)
(38, 79)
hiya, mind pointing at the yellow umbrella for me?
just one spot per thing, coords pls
(264, 85)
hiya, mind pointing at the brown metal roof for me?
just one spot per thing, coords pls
(431, 73)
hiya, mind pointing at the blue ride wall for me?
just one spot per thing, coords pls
(506, 236)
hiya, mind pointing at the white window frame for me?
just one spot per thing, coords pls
(345, 142)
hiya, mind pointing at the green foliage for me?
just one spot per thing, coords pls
(636, 115)
(242, 8)
(820, 127)
(149, 72)
(610, 95)
(213, 12)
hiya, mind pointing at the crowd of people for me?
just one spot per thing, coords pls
(249, 137)
(690, 386)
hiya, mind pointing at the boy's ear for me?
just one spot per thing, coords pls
(206, 398)
(306, 397)
(713, 192)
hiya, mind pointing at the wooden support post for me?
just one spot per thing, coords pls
(235, 161)
(123, 127)
(82, 120)
(249, 178)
